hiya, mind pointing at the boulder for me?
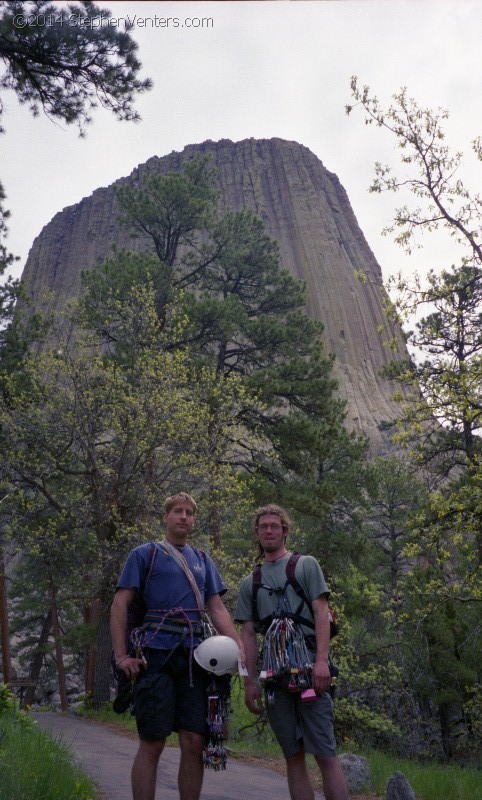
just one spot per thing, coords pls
(54, 700)
(356, 771)
(398, 788)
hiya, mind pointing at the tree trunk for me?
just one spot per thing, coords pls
(394, 561)
(445, 729)
(4, 626)
(91, 617)
(214, 521)
(103, 667)
(59, 657)
(37, 660)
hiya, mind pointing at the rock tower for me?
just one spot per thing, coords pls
(306, 209)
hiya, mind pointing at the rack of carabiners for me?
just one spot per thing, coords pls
(215, 754)
(285, 655)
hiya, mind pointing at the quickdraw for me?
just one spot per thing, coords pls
(215, 753)
(285, 654)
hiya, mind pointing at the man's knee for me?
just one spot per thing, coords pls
(328, 764)
(151, 749)
(191, 743)
(296, 758)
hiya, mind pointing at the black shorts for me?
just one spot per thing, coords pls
(164, 701)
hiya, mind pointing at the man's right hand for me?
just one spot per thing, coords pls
(252, 698)
(131, 666)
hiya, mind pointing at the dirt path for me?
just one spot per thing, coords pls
(107, 756)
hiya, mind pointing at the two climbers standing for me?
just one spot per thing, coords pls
(171, 688)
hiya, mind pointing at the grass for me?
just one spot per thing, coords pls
(33, 767)
(430, 781)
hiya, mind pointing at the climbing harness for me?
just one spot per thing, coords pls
(143, 624)
(291, 580)
(172, 620)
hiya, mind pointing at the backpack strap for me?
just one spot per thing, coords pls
(199, 552)
(257, 583)
(137, 607)
(263, 624)
(147, 574)
(291, 580)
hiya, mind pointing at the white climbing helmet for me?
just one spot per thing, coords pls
(218, 654)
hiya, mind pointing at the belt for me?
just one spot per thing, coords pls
(184, 628)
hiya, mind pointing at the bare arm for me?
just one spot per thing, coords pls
(223, 623)
(252, 695)
(118, 625)
(321, 669)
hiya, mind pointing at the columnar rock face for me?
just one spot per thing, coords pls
(305, 208)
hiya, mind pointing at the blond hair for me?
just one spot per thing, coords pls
(179, 497)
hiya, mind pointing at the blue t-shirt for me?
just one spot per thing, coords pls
(168, 587)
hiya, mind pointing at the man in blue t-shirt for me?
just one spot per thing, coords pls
(170, 687)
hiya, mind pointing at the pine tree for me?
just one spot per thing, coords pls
(441, 421)
(245, 317)
(93, 445)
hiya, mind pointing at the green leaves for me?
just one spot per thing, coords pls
(192, 364)
(60, 60)
(173, 210)
(67, 69)
(243, 316)
(438, 539)
(431, 175)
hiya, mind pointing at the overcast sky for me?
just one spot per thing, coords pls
(261, 69)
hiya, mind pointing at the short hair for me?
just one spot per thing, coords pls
(179, 497)
(280, 512)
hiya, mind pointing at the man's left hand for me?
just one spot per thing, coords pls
(321, 677)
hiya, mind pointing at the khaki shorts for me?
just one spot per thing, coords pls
(302, 725)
